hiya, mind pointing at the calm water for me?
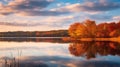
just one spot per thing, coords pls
(54, 52)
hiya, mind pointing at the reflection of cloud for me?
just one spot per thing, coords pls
(37, 49)
(15, 48)
(54, 61)
(70, 62)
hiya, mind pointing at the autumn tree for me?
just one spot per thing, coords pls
(102, 30)
(86, 29)
(91, 28)
(77, 30)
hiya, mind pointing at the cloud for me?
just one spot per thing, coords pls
(116, 18)
(29, 8)
(47, 14)
(38, 7)
(28, 4)
(48, 21)
(92, 6)
(101, 17)
(18, 24)
(40, 13)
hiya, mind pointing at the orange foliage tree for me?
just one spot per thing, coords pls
(77, 30)
(85, 29)
(89, 29)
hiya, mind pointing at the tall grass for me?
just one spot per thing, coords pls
(12, 62)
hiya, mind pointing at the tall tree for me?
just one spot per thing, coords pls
(91, 28)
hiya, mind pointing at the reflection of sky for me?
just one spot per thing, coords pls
(36, 49)
(55, 61)
(41, 49)
(53, 54)
(69, 62)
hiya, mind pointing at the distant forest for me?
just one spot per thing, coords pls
(53, 33)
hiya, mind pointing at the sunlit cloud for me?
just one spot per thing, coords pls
(49, 21)
(36, 7)
(54, 14)
(91, 7)
(116, 18)
(28, 7)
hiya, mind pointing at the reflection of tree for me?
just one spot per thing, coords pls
(91, 49)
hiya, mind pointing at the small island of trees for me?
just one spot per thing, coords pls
(90, 30)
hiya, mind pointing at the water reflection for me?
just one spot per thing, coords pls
(53, 61)
(55, 52)
(92, 49)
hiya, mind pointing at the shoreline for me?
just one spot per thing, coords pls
(32, 37)
(117, 39)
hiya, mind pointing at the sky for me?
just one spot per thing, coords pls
(44, 15)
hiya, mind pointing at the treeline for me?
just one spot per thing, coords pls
(89, 29)
(51, 40)
(53, 33)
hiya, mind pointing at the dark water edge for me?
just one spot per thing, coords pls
(48, 39)
(33, 39)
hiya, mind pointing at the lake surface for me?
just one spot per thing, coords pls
(54, 52)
